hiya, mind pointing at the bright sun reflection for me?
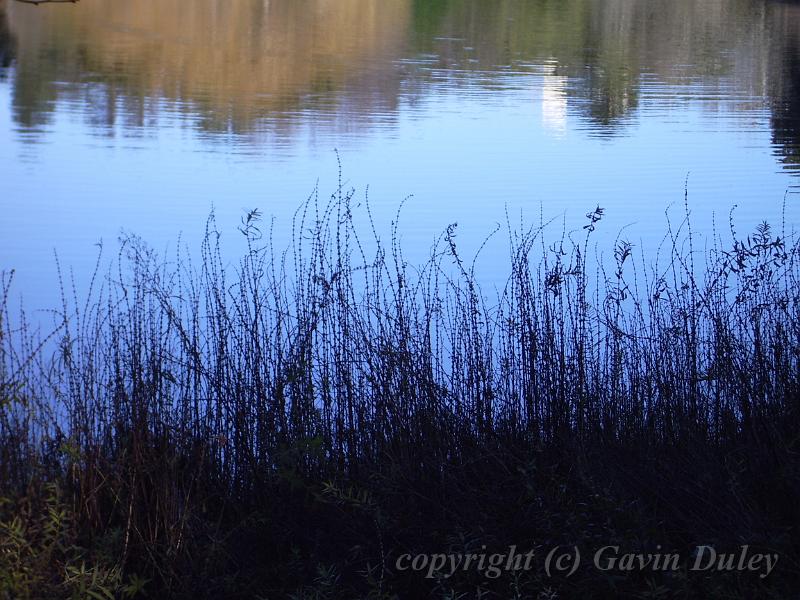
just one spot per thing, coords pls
(554, 104)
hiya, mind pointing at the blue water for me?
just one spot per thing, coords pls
(469, 131)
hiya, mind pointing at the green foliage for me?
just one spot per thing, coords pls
(40, 556)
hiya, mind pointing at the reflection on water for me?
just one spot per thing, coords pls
(257, 65)
(785, 88)
(231, 63)
(144, 113)
(554, 103)
(6, 40)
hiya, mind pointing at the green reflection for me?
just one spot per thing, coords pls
(426, 19)
(7, 41)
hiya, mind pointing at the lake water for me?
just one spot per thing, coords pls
(144, 114)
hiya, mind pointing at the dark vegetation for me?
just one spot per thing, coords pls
(290, 425)
(7, 41)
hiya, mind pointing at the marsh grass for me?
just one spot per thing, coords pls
(291, 423)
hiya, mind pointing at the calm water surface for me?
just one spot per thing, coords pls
(143, 115)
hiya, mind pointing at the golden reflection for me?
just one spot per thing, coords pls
(234, 59)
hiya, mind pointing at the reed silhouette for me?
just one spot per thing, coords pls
(289, 425)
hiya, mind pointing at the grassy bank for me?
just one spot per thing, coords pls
(293, 424)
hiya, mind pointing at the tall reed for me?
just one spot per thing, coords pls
(176, 388)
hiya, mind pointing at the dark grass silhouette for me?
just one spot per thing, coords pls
(292, 424)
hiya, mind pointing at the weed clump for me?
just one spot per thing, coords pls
(294, 423)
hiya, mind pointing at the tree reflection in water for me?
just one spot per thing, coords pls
(7, 42)
(234, 67)
(785, 90)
